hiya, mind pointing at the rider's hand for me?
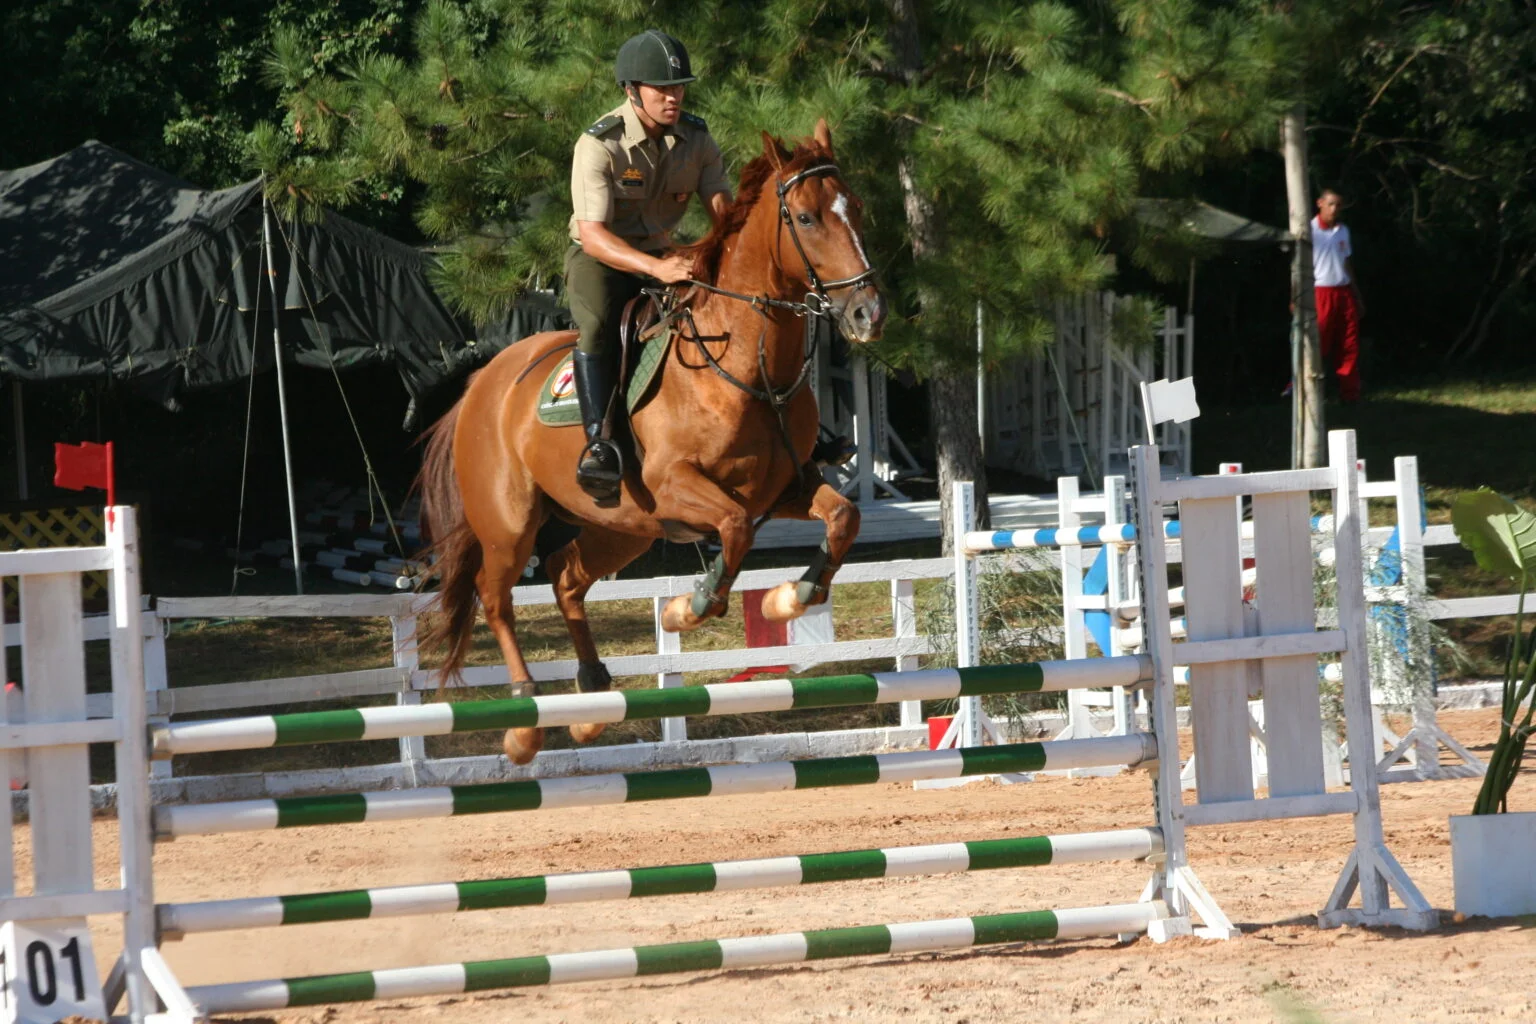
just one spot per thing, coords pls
(673, 269)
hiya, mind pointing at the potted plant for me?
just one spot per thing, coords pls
(1490, 848)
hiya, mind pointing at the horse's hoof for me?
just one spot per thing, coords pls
(780, 604)
(522, 744)
(593, 677)
(587, 733)
(678, 617)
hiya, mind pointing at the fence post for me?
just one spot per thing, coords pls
(673, 730)
(1074, 634)
(130, 685)
(1116, 593)
(967, 632)
(904, 616)
(1410, 545)
(156, 679)
(413, 749)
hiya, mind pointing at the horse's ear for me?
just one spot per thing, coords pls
(823, 135)
(775, 152)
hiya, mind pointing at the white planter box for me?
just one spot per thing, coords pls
(1491, 858)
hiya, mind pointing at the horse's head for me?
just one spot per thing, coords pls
(821, 233)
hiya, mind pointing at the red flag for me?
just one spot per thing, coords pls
(76, 467)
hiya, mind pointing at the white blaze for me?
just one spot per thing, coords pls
(840, 207)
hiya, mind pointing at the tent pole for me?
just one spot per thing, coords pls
(282, 394)
(20, 419)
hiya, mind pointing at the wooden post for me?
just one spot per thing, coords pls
(967, 634)
(156, 680)
(413, 749)
(673, 730)
(904, 619)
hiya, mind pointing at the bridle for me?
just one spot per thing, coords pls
(819, 288)
(817, 303)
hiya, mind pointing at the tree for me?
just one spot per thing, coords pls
(165, 81)
(1430, 124)
(997, 145)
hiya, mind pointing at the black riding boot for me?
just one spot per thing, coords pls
(601, 468)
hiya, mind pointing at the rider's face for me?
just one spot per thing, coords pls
(663, 104)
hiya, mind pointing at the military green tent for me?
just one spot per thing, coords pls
(109, 267)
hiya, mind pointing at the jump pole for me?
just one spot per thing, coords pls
(634, 787)
(179, 919)
(678, 957)
(966, 682)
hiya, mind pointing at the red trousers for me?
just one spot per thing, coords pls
(1338, 328)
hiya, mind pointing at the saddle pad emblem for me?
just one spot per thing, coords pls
(557, 404)
(564, 383)
(558, 396)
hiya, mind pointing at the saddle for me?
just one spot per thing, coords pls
(645, 336)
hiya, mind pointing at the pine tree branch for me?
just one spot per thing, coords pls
(1145, 106)
(914, 119)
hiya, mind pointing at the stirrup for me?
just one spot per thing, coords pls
(594, 475)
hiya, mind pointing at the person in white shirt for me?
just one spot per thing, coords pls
(1339, 306)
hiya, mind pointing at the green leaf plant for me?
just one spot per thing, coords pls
(1502, 536)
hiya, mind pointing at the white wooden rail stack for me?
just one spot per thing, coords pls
(1283, 642)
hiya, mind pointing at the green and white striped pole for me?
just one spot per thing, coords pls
(177, 919)
(676, 957)
(382, 723)
(631, 787)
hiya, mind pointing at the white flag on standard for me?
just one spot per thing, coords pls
(1164, 400)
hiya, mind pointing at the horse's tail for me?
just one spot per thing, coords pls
(453, 547)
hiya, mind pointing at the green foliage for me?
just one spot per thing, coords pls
(1019, 606)
(1502, 536)
(171, 82)
(1499, 533)
(1430, 118)
(1031, 128)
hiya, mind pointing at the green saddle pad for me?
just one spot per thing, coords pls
(557, 398)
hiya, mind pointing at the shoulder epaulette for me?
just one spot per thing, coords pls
(607, 124)
(694, 121)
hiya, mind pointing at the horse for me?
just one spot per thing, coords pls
(726, 433)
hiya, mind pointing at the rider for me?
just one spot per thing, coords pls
(633, 173)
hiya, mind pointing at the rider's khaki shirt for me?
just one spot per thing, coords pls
(640, 186)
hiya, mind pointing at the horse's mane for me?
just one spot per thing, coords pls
(708, 251)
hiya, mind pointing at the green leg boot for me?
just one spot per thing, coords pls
(601, 467)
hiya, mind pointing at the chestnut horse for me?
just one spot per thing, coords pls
(726, 433)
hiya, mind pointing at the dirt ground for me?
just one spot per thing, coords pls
(1269, 877)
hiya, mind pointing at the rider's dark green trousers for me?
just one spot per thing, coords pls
(597, 294)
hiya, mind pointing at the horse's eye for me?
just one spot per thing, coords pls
(805, 220)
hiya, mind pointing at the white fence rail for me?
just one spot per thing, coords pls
(404, 680)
